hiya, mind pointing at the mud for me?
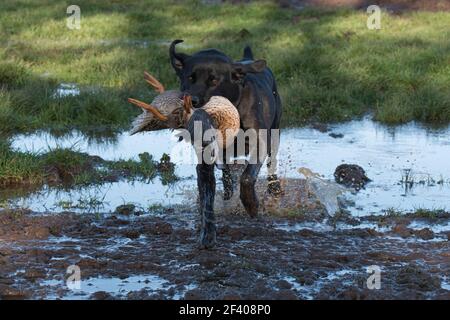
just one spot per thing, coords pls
(351, 175)
(155, 256)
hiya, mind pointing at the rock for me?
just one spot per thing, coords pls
(351, 294)
(194, 294)
(101, 295)
(5, 251)
(403, 231)
(261, 287)
(336, 135)
(448, 235)
(283, 284)
(231, 296)
(321, 127)
(415, 278)
(162, 228)
(11, 293)
(425, 234)
(37, 232)
(351, 175)
(285, 294)
(132, 234)
(33, 274)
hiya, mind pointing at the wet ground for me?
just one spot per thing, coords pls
(292, 251)
(155, 256)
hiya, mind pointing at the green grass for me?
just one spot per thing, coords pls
(18, 168)
(328, 65)
(67, 168)
(146, 167)
(417, 213)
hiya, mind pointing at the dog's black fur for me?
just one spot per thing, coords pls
(250, 85)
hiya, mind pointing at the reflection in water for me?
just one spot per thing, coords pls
(385, 153)
(116, 286)
(67, 89)
(106, 197)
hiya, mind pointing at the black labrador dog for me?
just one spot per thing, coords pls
(250, 85)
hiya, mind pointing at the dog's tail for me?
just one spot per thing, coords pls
(248, 54)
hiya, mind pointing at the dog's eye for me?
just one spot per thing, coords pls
(191, 78)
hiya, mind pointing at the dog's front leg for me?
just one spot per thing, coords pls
(206, 182)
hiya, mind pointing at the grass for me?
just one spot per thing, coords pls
(328, 65)
(65, 167)
(417, 213)
(89, 204)
(18, 167)
(146, 167)
(409, 180)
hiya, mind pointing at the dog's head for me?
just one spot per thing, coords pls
(210, 73)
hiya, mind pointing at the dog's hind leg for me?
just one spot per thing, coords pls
(247, 191)
(248, 178)
(206, 182)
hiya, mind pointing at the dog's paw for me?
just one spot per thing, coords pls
(250, 202)
(208, 238)
(274, 186)
(252, 209)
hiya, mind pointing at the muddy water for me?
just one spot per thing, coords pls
(387, 154)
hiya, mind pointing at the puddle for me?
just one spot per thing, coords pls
(123, 146)
(106, 197)
(308, 291)
(141, 43)
(138, 43)
(445, 284)
(436, 228)
(113, 286)
(317, 226)
(384, 152)
(66, 89)
(322, 227)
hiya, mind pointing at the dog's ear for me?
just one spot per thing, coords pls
(240, 69)
(177, 59)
